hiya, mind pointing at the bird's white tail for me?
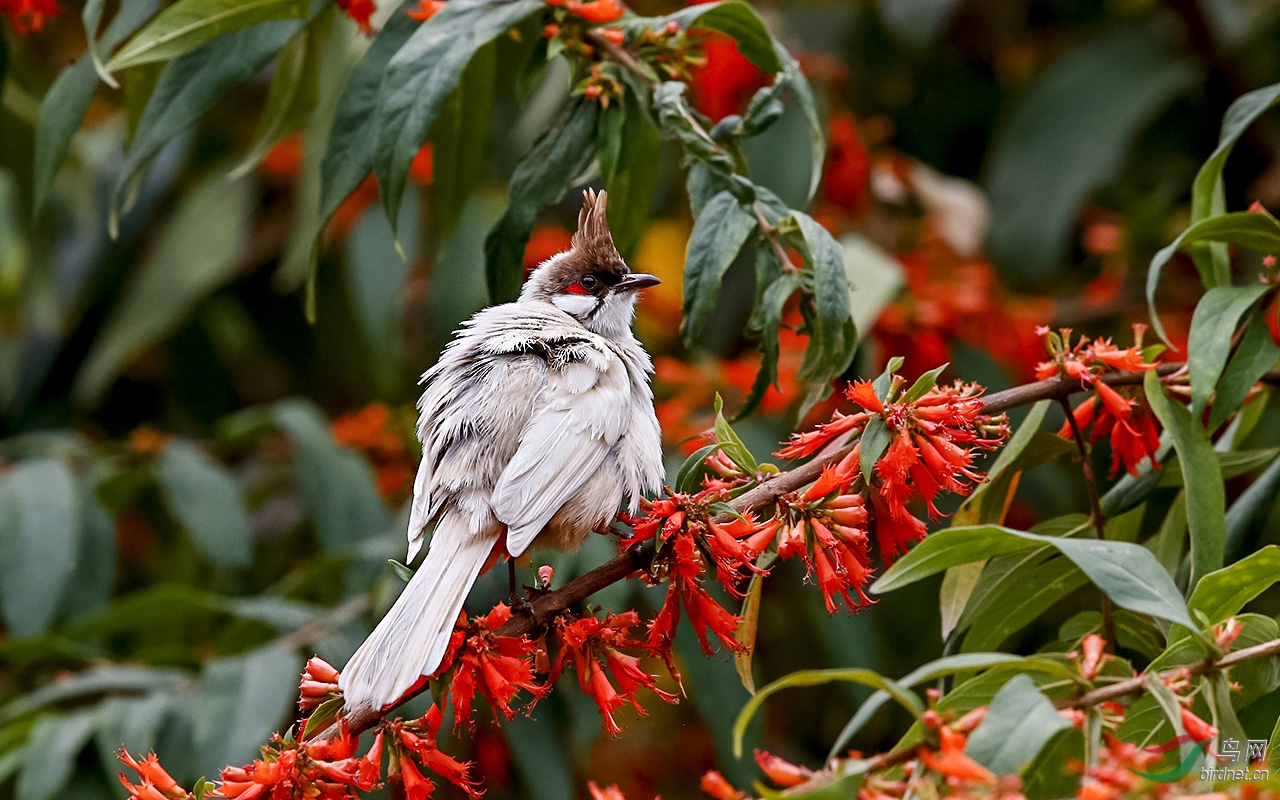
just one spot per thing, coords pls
(412, 638)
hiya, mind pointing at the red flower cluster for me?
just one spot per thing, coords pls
(833, 517)
(681, 521)
(319, 683)
(498, 666)
(1126, 418)
(29, 16)
(590, 645)
(154, 783)
(414, 742)
(933, 434)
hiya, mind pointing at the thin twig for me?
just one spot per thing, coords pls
(1095, 515)
(767, 492)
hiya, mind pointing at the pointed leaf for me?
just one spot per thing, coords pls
(817, 677)
(718, 235)
(458, 139)
(1213, 327)
(422, 75)
(206, 499)
(40, 522)
(1260, 232)
(187, 24)
(1220, 594)
(541, 178)
(1256, 354)
(1202, 476)
(196, 252)
(1019, 722)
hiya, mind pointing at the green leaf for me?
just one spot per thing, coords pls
(628, 171)
(541, 178)
(923, 384)
(1027, 593)
(1260, 232)
(1126, 572)
(1242, 113)
(680, 122)
(196, 252)
(1018, 724)
(133, 723)
(40, 526)
(206, 499)
(1256, 354)
(1212, 328)
(187, 24)
(767, 321)
(749, 620)
(294, 89)
(1232, 463)
(941, 668)
(320, 718)
(974, 509)
(692, 468)
(818, 677)
(718, 235)
(423, 74)
(1070, 135)
(875, 440)
(831, 333)
(459, 136)
(1206, 500)
(808, 106)
(730, 442)
(1220, 594)
(337, 485)
(348, 154)
(957, 587)
(1252, 501)
(242, 700)
(1132, 631)
(736, 19)
(190, 85)
(64, 105)
(55, 743)
(1051, 775)
(90, 682)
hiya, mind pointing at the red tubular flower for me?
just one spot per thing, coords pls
(950, 760)
(498, 666)
(714, 784)
(780, 771)
(597, 10)
(1093, 646)
(810, 442)
(416, 785)
(1196, 727)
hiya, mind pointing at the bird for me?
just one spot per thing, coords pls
(537, 424)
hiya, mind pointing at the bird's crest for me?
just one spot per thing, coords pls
(594, 241)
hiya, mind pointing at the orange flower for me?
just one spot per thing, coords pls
(597, 10)
(1093, 646)
(284, 160)
(425, 10)
(950, 761)
(545, 242)
(498, 666)
(724, 83)
(1196, 727)
(714, 784)
(780, 771)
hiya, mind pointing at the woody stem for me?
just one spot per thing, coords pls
(546, 606)
(1095, 515)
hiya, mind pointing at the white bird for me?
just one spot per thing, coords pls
(536, 424)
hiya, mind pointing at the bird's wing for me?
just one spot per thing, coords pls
(579, 416)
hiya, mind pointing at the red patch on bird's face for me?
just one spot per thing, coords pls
(575, 288)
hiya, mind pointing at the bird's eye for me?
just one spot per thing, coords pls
(589, 282)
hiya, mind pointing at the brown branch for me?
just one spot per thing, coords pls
(1137, 683)
(545, 607)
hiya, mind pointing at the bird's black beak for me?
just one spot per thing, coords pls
(636, 280)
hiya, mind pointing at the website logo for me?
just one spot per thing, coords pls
(1228, 752)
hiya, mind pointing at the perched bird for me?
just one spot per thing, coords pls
(537, 423)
